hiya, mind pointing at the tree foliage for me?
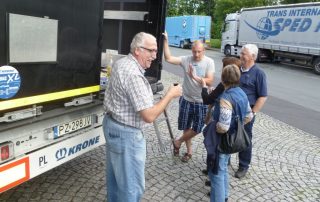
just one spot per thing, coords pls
(186, 7)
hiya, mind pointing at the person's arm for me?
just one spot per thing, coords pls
(205, 96)
(225, 116)
(214, 94)
(249, 115)
(262, 92)
(208, 78)
(167, 54)
(150, 114)
(259, 104)
(204, 92)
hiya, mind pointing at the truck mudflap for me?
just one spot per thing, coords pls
(22, 169)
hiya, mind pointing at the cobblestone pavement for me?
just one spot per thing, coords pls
(285, 167)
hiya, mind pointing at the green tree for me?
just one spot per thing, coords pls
(172, 8)
(185, 7)
(206, 7)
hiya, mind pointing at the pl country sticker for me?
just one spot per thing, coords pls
(9, 82)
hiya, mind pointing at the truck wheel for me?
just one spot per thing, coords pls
(259, 56)
(316, 65)
(227, 50)
(181, 44)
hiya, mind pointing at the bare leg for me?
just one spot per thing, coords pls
(188, 134)
(189, 146)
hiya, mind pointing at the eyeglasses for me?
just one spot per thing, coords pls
(150, 50)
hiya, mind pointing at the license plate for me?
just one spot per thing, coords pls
(72, 126)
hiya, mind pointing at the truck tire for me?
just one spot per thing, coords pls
(316, 65)
(182, 45)
(227, 50)
(259, 56)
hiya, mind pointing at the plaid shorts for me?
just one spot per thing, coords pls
(191, 113)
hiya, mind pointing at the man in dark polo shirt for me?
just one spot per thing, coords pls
(253, 82)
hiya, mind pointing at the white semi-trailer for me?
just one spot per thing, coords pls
(285, 33)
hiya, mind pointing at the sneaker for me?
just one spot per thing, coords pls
(241, 172)
(226, 199)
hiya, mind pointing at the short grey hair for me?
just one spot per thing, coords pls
(198, 42)
(138, 40)
(253, 50)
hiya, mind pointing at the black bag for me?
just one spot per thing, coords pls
(236, 142)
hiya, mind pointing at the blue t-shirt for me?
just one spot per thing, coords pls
(254, 84)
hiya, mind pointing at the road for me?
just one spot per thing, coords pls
(293, 91)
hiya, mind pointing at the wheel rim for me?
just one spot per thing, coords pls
(317, 68)
(181, 44)
(227, 50)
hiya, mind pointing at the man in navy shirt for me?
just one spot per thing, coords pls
(253, 82)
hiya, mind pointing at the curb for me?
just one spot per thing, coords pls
(213, 49)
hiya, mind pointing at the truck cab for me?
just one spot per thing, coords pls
(229, 35)
(283, 33)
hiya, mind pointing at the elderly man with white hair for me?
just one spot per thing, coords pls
(254, 83)
(129, 106)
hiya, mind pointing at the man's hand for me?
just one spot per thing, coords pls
(203, 83)
(190, 71)
(165, 35)
(193, 74)
(167, 54)
(174, 91)
(149, 115)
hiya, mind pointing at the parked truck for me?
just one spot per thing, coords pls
(283, 33)
(184, 30)
(50, 61)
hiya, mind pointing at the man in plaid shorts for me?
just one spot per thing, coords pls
(191, 108)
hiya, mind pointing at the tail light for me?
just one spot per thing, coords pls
(6, 151)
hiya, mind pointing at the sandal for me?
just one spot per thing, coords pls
(186, 157)
(176, 150)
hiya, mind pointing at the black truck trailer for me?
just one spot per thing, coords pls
(50, 64)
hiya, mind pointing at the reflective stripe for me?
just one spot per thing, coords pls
(9, 104)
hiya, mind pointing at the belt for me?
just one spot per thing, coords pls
(119, 123)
